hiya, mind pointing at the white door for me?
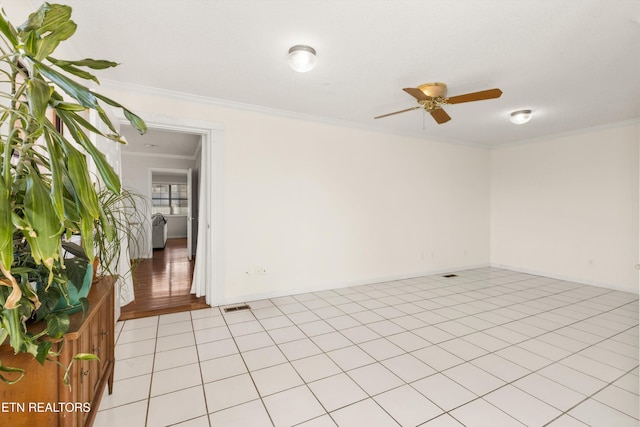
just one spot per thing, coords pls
(189, 214)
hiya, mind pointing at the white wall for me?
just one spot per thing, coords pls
(176, 227)
(319, 205)
(568, 206)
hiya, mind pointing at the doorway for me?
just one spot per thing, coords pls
(164, 274)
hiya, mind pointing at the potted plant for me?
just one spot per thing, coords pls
(124, 212)
(46, 194)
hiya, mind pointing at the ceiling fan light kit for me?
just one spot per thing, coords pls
(434, 90)
(520, 117)
(302, 58)
(432, 96)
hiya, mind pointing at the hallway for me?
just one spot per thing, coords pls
(162, 284)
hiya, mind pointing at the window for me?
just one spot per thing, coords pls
(170, 199)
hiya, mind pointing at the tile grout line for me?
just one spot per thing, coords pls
(233, 337)
(204, 395)
(153, 363)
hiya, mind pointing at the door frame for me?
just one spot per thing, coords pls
(210, 259)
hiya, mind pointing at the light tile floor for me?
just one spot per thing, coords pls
(489, 347)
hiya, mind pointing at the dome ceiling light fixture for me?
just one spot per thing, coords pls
(302, 58)
(520, 117)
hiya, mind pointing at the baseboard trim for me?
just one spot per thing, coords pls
(368, 281)
(611, 286)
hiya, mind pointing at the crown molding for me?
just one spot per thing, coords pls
(160, 155)
(575, 132)
(187, 97)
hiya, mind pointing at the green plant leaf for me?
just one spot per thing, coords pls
(85, 356)
(79, 176)
(135, 121)
(57, 168)
(46, 28)
(95, 64)
(75, 249)
(43, 351)
(7, 29)
(74, 122)
(76, 269)
(54, 16)
(84, 302)
(11, 322)
(67, 106)
(13, 371)
(6, 226)
(73, 67)
(45, 224)
(58, 324)
(46, 45)
(38, 94)
(86, 231)
(72, 214)
(49, 300)
(80, 93)
(35, 20)
(78, 72)
(106, 120)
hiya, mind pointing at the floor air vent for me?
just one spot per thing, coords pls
(450, 275)
(237, 308)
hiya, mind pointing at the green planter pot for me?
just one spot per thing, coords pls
(76, 293)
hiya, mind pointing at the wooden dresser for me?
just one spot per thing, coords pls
(41, 398)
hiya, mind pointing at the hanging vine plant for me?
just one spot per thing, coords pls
(46, 193)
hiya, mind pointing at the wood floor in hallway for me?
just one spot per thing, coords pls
(162, 284)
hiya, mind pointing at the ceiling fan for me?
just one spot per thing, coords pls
(432, 96)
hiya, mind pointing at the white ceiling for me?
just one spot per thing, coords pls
(575, 63)
(158, 142)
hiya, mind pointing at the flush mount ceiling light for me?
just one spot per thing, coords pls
(302, 58)
(521, 116)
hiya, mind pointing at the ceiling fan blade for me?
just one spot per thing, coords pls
(475, 96)
(440, 115)
(416, 93)
(397, 112)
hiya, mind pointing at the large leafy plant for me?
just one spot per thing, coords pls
(46, 192)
